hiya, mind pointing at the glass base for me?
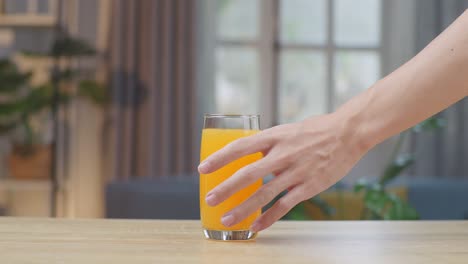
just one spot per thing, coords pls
(234, 235)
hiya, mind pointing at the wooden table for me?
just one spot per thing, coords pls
(136, 241)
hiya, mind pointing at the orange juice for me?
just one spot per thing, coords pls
(213, 140)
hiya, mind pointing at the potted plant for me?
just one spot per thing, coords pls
(25, 108)
(379, 202)
(18, 103)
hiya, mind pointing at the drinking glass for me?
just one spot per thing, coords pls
(218, 131)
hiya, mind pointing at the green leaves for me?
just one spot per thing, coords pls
(6, 127)
(399, 210)
(297, 213)
(71, 47)
(13, 107)
(12, 85)
(360, 185)
(375, 201)
(401, 163)
(94, 91)
(432, 123)
(66, 46)
(380, 204)
(66, 75)
(33, 54)
(40, 98)
(19, 101)
(322, 205)
(11, 79)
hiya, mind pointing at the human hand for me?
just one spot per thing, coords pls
(305, 158)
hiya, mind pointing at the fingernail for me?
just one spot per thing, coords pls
(227, 220)
(210, 199)
(202, 168)
(255, 227)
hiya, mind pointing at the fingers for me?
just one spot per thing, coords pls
(259, 199)
(234, 151)
(240, 180)
(279, 209)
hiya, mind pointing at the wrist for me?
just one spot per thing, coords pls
(338, 129)
(355, 123)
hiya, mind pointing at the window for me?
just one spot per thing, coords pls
(289, 59)
(27, 12)
(237, 57)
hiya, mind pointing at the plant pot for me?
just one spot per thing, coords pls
(31, 166)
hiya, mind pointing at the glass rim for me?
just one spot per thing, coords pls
(232, 116)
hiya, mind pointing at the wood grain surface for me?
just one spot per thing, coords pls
(25, 240)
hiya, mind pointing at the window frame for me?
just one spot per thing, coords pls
(269, 47)
(31, 18)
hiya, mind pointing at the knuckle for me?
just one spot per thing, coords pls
(266, 195)
(232, 147)
(249, 172)
(267, 138)
(283, 159)
(320, 170)
(221, 190)
(264, 146)
(299, 175)
(241, 212)
(255, 170)
(283, 205)
(302, 177)
(240, 141)
(310, 187)
(323, 155)
(240, 147)
(260, 142)
(215, 160)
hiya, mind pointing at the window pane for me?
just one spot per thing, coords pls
(355, 71)
(43, 6)
(16, 6)
(302, 88)
(357, 22)
(237, 85)
(303, 21)
(238, 19)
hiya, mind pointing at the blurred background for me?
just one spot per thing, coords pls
(101, 101)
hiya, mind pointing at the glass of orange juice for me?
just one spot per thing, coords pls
(218, 131)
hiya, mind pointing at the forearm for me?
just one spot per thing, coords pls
(430, 82)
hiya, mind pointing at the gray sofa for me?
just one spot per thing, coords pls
(154, 198)
(437, 199)
(177, 198)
